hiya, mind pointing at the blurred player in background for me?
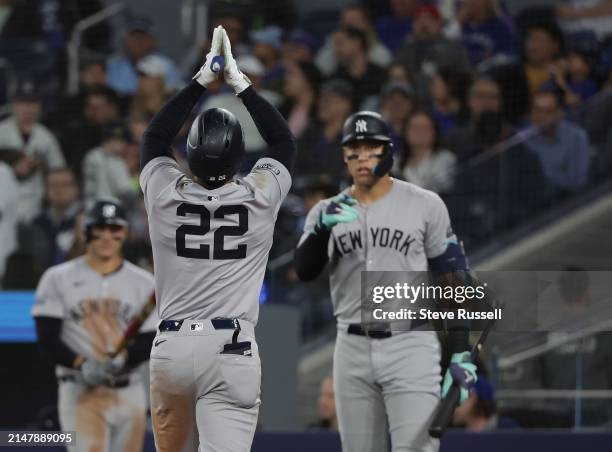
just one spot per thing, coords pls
(82, 309)
(387, 383)
(211, 234)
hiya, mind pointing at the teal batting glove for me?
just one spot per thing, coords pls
(339, 210)
(461, 371)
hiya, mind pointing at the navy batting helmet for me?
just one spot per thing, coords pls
(369, 125)
(104, 213)
(215, 146)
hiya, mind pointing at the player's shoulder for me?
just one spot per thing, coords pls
(414, 191)
(139, 273)
(65, 269)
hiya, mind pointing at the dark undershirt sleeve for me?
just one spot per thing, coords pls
(311, 256)
(272, 127)
(48, 330)
(167, 123)
(140, 350)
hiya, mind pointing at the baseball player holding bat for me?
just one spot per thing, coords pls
(89, 315)
(387, 383)
(211, 233)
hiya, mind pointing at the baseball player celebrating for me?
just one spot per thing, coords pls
(82, 308)
(386, 383)
(211, 234)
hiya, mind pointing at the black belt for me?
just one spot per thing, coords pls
(115, 383)
(218, 324)
(359, 330)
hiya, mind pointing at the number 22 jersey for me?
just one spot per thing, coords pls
(210, 247)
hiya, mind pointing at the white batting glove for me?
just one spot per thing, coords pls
(214, 62)
(115, 365)
(233, 77)
(94, 373)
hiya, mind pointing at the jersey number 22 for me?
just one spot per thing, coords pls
(219, 251)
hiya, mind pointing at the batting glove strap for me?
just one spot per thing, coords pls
(462, 372)
(213, 65)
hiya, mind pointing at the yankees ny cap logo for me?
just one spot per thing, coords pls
(361, 126)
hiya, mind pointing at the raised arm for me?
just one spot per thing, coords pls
(167, 123)
(270, 124)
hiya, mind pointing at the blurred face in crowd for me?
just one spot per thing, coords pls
(26, 112)
(420, 132)
(546, 112)
(233, 26)
(540, 47)
(107, 241)
(137, 128)
(426, 27)
(398, 73)
(355, 17)
(327, 402)
(484, 96)
(577, 66)
(402, 8)
(115, 146)
(294, 82)
(346, 48)
(478, 9)
(333, 107)
(441, 96)
(62, 189)
(361, 157)
(267, 54)
(99, 110)
(151, 85)
(396, 107)
(297, 52)
(93, 74)
(138, 43)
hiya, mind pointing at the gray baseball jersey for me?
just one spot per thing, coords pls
(396, 233)
(210, 247)
(95, 309)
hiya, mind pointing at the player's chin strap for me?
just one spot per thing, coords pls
(386, 163)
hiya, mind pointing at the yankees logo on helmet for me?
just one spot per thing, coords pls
(361, 126)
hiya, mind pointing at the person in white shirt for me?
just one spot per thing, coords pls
(8, 219)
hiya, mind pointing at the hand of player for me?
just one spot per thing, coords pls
(233, 77)
(339, 210)
(213, 64)
(461, 371)
(94, 373)
(115, 365)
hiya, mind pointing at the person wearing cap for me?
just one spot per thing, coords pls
(299, 47)
(38, 148)
(393, 28)
(267, 47)
(318, 146)
(138, 42)
(427, 49)
(357, 16)
(398, 101)
(152, 90)
(105, 173)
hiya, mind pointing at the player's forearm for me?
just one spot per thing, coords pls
(272, 127)
(167, 123)
(311, 256)
(139, 350)
(48, 330)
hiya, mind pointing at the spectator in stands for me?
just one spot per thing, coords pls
(138, 42)
(426, 50)
(53, 228)
(39, 149)
(300, 47)
(152, 92)
(479, 412)
(356, 16)
(20, 19)
(234, 20)
(593, 16)
(562, 147)
(398, 101)
(105, 173)
(300, 90)
(449, 87)
(424, 162)
(8, 218)
(319, 146)
(350, 48)
(327, 406)
(484, 95)
(542, 48)
(82, 131)
(392, 29)
(398, 73)
(485, 34)
(267, 48)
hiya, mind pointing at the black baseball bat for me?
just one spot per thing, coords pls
(446, 407)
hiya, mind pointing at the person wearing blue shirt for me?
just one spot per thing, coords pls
(394, 27)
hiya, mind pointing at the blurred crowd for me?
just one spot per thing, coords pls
(503, 113)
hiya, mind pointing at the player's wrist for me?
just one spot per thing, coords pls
(78, 362)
